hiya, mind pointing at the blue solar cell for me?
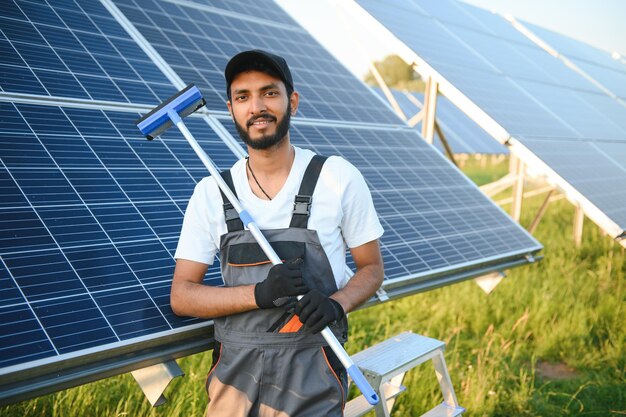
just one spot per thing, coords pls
(19, 322)
(72, 226)
(74, 323)
(15, 79)
(9, 293)
(131, 312)
(43, 275)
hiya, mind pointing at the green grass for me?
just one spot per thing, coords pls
(567, 309)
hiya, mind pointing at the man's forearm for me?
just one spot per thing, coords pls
(361, 287)
(203, 301)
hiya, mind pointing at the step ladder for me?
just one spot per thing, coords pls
(384, 366)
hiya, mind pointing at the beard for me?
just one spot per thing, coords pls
(266, 141)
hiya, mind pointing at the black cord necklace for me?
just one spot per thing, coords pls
(255, 180)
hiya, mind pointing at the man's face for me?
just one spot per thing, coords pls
(261, 108)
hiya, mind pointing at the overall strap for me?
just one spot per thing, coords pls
(302, 202)
(233, 222)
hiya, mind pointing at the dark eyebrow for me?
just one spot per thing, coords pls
(272, 86)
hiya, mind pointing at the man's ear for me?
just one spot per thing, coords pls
(294, 99)
(230, 107)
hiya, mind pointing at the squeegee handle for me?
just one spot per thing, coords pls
(246, 218)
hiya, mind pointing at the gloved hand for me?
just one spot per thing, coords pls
(317, 311)
(283, 280)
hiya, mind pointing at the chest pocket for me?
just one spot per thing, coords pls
(251, 254)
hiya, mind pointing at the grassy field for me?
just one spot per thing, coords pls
(549, 341)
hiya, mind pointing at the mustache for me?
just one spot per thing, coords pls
(267, 117)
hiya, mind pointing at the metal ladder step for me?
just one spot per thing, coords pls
(384, 366)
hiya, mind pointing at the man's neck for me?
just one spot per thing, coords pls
(275, 161)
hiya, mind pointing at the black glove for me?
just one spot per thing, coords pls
(283, 280)
(317, 311)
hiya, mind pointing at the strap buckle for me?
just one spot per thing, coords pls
(302, 205)
(229, 212)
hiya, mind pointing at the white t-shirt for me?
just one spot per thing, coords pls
(342, 211)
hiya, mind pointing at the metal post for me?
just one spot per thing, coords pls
(518, 187)
(430, 108)
(444, 380)
(540, 213)
(579, 218)
(383, 86)
(444, 142)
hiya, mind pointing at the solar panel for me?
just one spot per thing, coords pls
(200, 40)
(461, 132)
(57, 49)
(89, 225)
(518, 85)
(92, 211)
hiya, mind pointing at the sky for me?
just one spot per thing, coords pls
(601, 23)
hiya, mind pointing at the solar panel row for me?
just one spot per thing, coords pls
(91, 212)
(525, 90)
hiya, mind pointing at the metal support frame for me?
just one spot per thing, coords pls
(493, 188)
(388, 94)
(419, 116)
(540, 212)
(430, 109)
(579, 219)
(154, 379)
(489, 282)
(517, 167)
(444, 142)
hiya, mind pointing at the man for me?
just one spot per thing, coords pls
(269, 358)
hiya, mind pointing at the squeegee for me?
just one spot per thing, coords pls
(170, 113)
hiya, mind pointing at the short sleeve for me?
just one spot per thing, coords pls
(360, 223)
(196, 242)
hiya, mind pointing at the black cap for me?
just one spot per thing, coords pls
(242, 59)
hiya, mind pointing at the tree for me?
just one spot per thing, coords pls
(397, 74)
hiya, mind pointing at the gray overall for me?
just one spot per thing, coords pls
(264, 362)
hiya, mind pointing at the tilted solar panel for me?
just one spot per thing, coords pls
(520, 87)
(91, 213)
(59, 49)
(92, 210)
